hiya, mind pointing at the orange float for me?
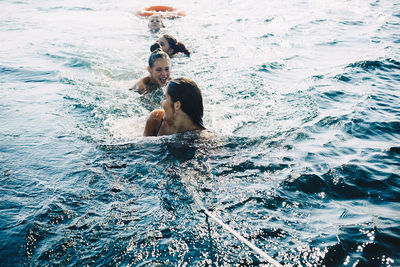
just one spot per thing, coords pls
(164, 11)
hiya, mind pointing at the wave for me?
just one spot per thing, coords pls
(22, 74)
(387, 64)
(364, 246)
(348, 182)
(382, 66)
(269, 67)
(373, 130)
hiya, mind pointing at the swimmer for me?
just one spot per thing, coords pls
(159, 70)
(171, 46)
(155, 23)
(182, 110)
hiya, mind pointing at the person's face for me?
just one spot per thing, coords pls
(164, 45)
(168, 107)
(155, 23)
(160, 71)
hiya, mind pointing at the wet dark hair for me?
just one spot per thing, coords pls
(154, 47)
(175, 45)
(157, 53)
(189, 94)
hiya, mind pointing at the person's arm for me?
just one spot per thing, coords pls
(153, 123)
(141, 85)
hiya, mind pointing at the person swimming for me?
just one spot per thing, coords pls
(182, 110)
(159, 73)
(155, 23)
(170, 46)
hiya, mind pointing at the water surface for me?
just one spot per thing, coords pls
(302, 98)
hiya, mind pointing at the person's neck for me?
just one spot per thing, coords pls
(183, 123)
(152, 84)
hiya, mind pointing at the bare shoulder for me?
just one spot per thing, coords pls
(153, 122)
(141, 85)
(156, 114)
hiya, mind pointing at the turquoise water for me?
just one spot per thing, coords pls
(303, 101)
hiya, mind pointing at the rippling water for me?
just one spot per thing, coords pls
(303, 101)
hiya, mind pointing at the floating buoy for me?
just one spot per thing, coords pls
(164, 11)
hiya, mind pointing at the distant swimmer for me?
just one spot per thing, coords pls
(182, 110)
(155, 23)
(159, 71)
(170, 46)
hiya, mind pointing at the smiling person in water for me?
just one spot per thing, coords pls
(170, 46)
(182, 110)
(159, 70)
(155, 23)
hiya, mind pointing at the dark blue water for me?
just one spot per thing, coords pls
(302, 98)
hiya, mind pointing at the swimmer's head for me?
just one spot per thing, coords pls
(155, 23)
(159, 67)
(157, 53)
(171, 46)
(154, 47)
(189, 95)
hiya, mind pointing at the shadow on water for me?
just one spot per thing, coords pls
(155, 175)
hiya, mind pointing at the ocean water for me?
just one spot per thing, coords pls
(302, 98)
